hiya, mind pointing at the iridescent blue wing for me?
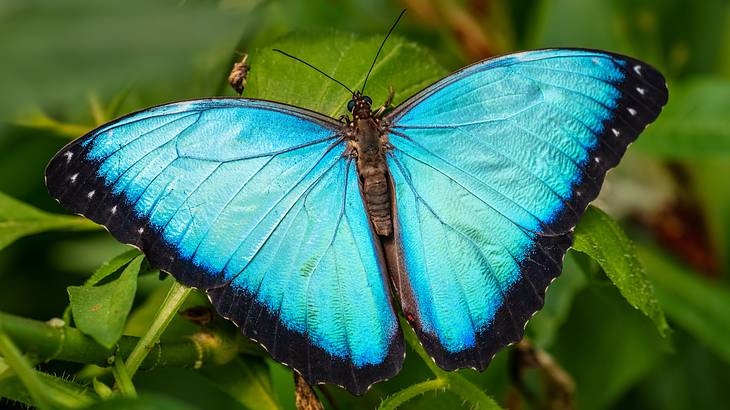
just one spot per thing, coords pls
(492, 167)
(254, 202)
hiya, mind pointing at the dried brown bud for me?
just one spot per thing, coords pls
(237, 78)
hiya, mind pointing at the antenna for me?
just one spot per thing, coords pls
(381, 49)
(315, 68)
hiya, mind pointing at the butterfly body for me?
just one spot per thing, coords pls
(369, 143)
(463, 198)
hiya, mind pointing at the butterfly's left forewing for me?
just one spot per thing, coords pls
(254, 202)
(492, 167)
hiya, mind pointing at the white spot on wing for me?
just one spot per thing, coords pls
(68, 155)
(113, 210)
(140, 230)
(597, 160)
(637, 69)
(90, 194)
(615, 132)
(73, 177)
(631, 111)
(641, 90)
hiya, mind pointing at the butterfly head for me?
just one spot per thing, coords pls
(360, 105)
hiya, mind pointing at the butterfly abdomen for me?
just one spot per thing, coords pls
(377, 201)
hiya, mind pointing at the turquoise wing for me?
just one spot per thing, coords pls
(493, 167)
(256, 203)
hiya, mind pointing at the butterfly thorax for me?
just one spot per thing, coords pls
(368, 142)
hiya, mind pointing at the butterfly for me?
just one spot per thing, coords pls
(457, 206)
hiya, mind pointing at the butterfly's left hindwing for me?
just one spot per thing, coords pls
(492, 167)
(254, 202)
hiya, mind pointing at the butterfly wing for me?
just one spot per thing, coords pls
(254, 202)
(492, 167)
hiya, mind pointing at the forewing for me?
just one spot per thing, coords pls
(255, 203)
(492, 167)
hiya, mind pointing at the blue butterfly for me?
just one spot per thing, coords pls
(462, 200)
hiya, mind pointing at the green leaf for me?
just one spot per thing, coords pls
(590, 24)
(694, 123)
(345, 57)
(543, 328)
(708, 182)
(105, 54)
(189, 386)
(101, 311)
(107, 268)
(18, 219)
(606, 346)
(247, 379)
(697, 305)
(111, 266)
(602, 239)
(146, 401)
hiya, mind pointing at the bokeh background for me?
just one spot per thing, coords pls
(67, 66)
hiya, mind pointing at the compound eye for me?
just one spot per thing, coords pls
(351, 105)
(368, 100)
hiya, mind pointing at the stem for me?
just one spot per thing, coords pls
(14, 358)
(124, 382)
(174, 299)
(471, 392)
(49, 342)
(454, 382)
(412, 341)
(397, 399)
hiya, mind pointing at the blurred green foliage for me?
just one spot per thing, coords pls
(69, 66)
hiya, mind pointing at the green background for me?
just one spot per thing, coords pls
(67, 66)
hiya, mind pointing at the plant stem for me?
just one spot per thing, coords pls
(397, 399)
(174, 299)
(412, 341)
(454, 382)
(48, 342)
(124, 382)
(14, 358)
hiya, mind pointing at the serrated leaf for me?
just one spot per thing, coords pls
(101, 311)
(694, 123)
(345, 57)
(18, 219)
(602, 239)
(700, 307)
